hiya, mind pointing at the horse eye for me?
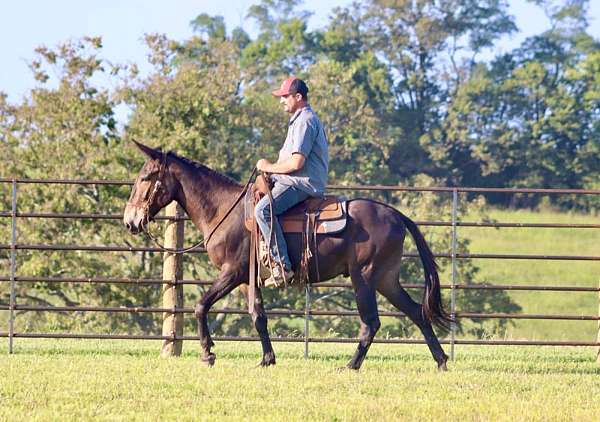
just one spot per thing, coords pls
(148, 176)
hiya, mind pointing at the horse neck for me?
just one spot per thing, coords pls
(203, 194)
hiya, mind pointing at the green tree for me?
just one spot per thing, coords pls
(66, 129)
(529, 118)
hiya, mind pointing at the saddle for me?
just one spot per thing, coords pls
(313, 216)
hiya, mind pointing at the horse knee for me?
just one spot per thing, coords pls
(199, 310)
(376, 325)
(369, 329)
(259, 319)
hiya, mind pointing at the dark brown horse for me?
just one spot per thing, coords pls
(369, 250)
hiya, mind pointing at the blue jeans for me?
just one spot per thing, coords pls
(284, 197)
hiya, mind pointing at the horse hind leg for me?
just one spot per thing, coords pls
(369, 318)
(391, 289)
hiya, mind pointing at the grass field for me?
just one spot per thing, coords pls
(48, 380)
(542, 241)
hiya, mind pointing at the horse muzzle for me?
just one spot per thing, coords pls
(135, 219)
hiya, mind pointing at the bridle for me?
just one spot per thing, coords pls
(145, 206)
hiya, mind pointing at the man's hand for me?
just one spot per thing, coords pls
(263, 165)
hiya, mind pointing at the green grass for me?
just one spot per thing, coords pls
(542, 241)
(111, 380)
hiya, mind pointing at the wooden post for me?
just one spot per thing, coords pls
(172, 292)
(598, 334)
(13, 270)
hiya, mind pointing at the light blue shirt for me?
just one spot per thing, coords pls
(306, 136)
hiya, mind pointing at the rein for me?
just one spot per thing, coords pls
(203, 242)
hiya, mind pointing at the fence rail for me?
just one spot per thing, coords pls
(139, 309)
(112, 280)
(308, 313)
(99, 248)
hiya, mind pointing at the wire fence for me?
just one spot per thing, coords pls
(310, 312)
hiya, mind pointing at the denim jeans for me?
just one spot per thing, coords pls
(284, 197)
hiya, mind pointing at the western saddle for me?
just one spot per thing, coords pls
(310, 217)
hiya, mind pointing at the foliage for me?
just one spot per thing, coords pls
(529, 118)
(65, 123)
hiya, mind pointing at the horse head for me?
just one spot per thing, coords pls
(154, 188)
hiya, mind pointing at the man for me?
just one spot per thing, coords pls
(300, 171)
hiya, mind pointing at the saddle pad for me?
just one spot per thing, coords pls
(331, 219)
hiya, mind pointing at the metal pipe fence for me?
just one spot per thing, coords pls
(308, 313)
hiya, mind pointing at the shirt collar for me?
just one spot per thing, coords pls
(297, 113)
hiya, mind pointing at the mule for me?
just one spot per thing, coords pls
(369, 250)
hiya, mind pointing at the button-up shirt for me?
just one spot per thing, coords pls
(306, 136)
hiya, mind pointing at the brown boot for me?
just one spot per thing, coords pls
(278, 279)
(263, 252)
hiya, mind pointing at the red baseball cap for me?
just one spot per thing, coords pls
(291, 85)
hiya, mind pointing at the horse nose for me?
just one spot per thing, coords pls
(128, 225)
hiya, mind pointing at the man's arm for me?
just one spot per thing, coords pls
(292, 164)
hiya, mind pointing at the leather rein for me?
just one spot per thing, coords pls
(157, 186)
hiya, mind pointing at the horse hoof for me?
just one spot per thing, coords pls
(346, 369)
(266, 363)
(442, 367)
(209, 360)
(267, 360)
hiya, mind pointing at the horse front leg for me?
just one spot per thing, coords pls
(224, 284)
(259, 318)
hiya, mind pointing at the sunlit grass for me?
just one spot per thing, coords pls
(112, 380)
(542, 241)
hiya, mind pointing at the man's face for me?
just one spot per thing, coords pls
(291, 103)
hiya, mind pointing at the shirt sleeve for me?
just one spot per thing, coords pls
(303, 137)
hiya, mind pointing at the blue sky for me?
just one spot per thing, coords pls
(25, 24)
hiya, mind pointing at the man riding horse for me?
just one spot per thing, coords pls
(300, 172)
(368, 248)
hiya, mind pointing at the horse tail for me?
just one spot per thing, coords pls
(432, 307)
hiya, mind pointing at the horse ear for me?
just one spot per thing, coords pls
(148, 151)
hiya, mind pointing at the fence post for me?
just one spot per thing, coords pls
(13, 269)
(306, 319)
(453, 291)
(172, 290)
(598, 335)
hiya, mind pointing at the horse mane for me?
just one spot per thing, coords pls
(197, 167)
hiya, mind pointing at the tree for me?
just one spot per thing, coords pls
(66, 130)
(527, 119)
